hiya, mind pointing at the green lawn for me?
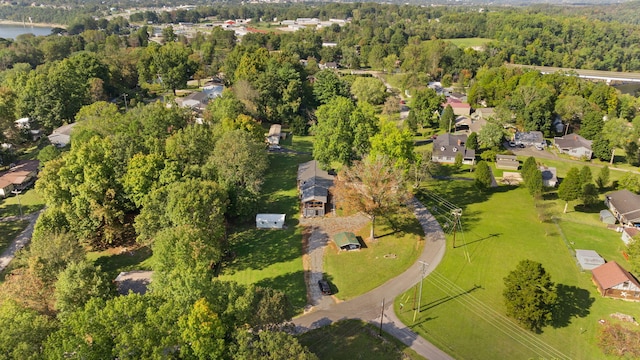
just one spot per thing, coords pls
(9, 230)
(469, 42)
(116, 260)
(353, 339)
(273, 258)
(462, 306)
(354, 273)
(30, 201)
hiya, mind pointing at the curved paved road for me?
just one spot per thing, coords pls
(368, 306)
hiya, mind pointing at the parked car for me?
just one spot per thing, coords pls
(512, 144)
(539, 147)
(324, 287)
(521, 146)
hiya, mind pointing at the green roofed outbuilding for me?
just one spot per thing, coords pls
(346, 241)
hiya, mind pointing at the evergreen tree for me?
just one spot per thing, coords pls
(447, 119)
(530, 295)
(472, 141)
(483, 175)
(603, 178)
(570, 188)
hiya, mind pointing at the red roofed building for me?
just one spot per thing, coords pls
(459, 108)
(615, 282)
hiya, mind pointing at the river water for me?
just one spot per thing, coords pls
(11, 31)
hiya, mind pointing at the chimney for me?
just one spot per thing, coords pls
(575, 137)
(459, 142)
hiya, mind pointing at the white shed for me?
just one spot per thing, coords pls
(270, 221)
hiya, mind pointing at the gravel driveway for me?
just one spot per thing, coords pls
(318, 232)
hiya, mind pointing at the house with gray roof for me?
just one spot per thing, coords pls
(625, 206)
(507, 162)
(529, 138)
(313, 188)
(574, 145)
(447, 146)
(61, 136)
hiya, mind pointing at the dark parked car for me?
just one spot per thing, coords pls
(324, 287)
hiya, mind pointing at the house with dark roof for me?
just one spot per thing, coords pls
(615, 282)
(529, 138)
(625, 206)
(313, 188)
(196, 100)
(574, 145)
(447, 146)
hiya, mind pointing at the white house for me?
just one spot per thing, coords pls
(574, 145)
(270, 221)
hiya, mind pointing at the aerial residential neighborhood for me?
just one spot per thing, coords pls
(261, 180)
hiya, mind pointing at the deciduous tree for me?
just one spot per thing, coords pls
(373, 186)
(369, 89)
(343, 131)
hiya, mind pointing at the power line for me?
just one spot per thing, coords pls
(494, 318)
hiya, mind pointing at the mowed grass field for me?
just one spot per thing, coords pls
(273, 258)
(469, 42)
(354, 339)
(462, 309)
(353, 273)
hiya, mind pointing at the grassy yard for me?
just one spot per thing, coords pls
(353, 339)
(9, 230)
(116, 260)
(462, 306)
(29, 200)
(468, 42)
(353, 273)
(273, 258)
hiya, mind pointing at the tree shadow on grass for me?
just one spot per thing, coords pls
(259, 248)
(293, 285)
(572, 302)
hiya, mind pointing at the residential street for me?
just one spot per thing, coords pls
(367, 307)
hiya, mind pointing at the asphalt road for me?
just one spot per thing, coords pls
(368, 307)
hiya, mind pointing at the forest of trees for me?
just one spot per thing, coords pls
(147, 173)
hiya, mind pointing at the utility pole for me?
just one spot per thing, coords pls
(17, 192)
(423, 272)
(381, 316)
(457, 213)
(126, 107)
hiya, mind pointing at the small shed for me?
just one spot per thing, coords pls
(346, 241)
(508, 162)
(270, 221)
(629, 234)
(589, 259)
(607, 217)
